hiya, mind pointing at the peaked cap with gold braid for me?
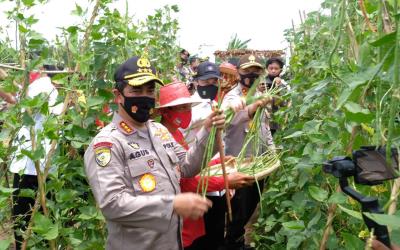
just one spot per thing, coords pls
(249, 60)
(137, 71)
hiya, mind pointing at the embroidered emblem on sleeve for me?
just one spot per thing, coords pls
(103, 156)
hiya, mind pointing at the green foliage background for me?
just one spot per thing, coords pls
(344, 86)
(73, 220)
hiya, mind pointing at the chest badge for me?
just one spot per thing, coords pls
(163, 134)
(150, 163)
(147, 183)
(134, 145)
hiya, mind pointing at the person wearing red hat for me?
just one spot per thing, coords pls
(175, 105)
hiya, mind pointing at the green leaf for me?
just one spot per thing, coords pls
(295, 134)
(29, 3)
(5, 244)
(315, 219)
(94, 101)
(353, 213)
(44, 227)
(27, 119)
(355, 108)
(7, 191)
(294, 241)
(318, 193)
(66, 195)
(357, 113)
(352, 242)
(338, 198)
(392, 221)
(311, 126)
(89, 213)
(26, 192)
(384, 40)
(294, 225)
(22, 29)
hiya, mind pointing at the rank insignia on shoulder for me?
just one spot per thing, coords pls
(125, 127)
(134, 145)
(147, 183)
(150, 163)
(103, 156)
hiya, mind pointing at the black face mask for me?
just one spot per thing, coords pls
(251, 76)
(207, 92)
(139, 107)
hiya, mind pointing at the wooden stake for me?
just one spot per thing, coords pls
(222, 158)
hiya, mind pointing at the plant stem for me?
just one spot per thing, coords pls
(394, 196)
(331, 216)
(222, 159)
(335, 47)
(364, 12)
(387, 26)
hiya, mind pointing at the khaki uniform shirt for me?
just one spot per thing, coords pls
(235, 133)
(134, 177)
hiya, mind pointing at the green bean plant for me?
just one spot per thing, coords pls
(345, 77)
(65, 215)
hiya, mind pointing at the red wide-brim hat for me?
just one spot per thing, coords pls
(175, 94)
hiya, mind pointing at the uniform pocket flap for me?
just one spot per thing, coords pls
(139, 167)
(172, 156)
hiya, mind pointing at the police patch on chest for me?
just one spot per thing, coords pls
(138, 154)
(168, 145)
(103, 156)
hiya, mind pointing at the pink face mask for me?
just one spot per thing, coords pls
(178, 119)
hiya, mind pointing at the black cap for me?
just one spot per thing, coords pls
(207, 70)
(137, 71)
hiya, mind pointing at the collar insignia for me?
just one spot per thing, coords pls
(125, 127)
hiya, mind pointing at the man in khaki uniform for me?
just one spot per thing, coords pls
(246, 199)
(134, 165)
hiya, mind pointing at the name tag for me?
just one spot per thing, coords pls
(138, 154)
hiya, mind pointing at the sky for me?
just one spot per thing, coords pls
(205, 25)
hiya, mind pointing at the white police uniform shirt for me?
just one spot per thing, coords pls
(199, 113)
(25, 165)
